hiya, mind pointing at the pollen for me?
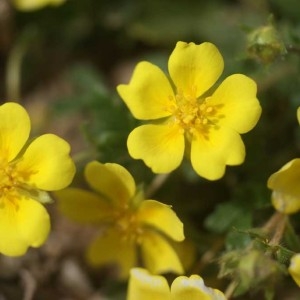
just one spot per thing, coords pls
(7, 178)
(195, 116)
(128, 226)
(11, 181)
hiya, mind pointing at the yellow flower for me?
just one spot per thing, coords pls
(298, 114)
(144, 286)
(29, 5)
(182, 111)
(129, 221)
(285, 184)
(294, 268)
(27, 171)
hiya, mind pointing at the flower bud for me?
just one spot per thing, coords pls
(265, 44)
(252, 269)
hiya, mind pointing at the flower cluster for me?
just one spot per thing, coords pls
(27, 171)
(185, 116)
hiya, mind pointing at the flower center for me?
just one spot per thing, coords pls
(128, 226)
(8, 180)
(195, 116)
(11, 182)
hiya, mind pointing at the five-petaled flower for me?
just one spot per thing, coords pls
(143, 285)
(183, 110)
(294, 268)
(29, 5)
(129, 222)
(27, 171)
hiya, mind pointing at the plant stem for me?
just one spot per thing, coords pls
(13, 73)
(230, 289)
(156, 183)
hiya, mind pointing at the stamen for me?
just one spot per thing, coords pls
(193, 115)
(202, 106)
(209, 109)
(204, 121)
(128, 226)
(11, 182)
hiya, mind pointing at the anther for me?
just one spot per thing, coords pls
(195, 110)
(197, 121)
(209, 109)
(187, 119)
(202, 106)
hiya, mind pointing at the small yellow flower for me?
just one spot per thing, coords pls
(27, 171)
(30, 5)
(144, 286)
(183, 111)
(294, 268)
(128, 220)
(298, 114)
(285, 184)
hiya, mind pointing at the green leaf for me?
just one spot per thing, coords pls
(226, 216)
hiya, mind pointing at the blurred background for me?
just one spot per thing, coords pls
(63, 63)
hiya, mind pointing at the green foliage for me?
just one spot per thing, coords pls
(105, 121)
(228, 215)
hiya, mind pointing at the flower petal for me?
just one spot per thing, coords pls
(111, 180)
(294, 268)
(158, 255)
(209, 156)
(144, 286)
(110, 248)
(23, 223)
(193, 288)
(286, 187)
(83, 206)
(195, 68)
(161, 147)
(149, 94)
(161, 217)
(46, 163)
(14, 130)
(33, 222)
(285, 203)
(187, 252)
(236, 103)
(298, 114)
